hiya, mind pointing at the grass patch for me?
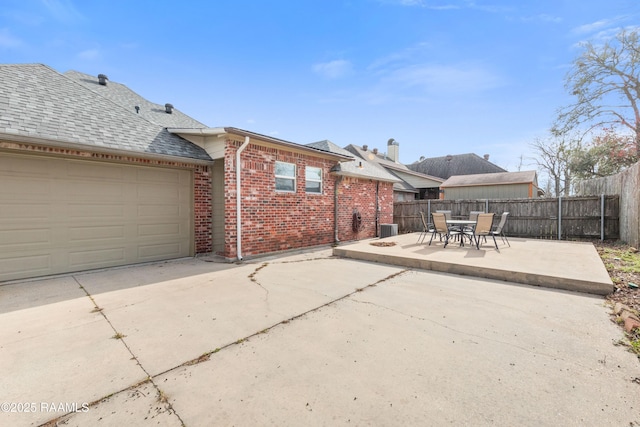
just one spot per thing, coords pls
(118, 336)
(623, 259)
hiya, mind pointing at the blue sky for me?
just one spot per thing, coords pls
(439, 76)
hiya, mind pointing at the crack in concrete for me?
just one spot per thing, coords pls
(206, 356)
(252, 277)
(161, 395)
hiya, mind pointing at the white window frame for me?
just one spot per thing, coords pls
(307, 179)
(287, 177)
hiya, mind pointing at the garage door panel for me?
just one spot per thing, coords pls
(95, 234)
(91, 212)
(95, 171)
(24, 188)
(171, 230)
(24, 166)
(22, 211)
(88, 190)
(85, 259)
(152, 211)
(21, 239)
(168, 250)
(150, 193)
(166, 176)
(60, 215)
(20, 265)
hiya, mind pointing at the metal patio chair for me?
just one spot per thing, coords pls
(426, 228)
(499, 230)
(483, 228)
(440, 227)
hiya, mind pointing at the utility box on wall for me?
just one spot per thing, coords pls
(387, 230)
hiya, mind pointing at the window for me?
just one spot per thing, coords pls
(313, 180)
(285, 177)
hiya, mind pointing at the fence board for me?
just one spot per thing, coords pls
(536, 218)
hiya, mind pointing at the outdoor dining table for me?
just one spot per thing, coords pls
(462, 223)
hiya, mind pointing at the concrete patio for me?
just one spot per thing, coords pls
(310, 339)
(573, 266)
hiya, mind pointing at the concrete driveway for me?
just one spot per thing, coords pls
(308, 339)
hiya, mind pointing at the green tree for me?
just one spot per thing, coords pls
(605, 79)
(607, 154)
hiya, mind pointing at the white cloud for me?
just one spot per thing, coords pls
(592, 27)
(63, 10)
(446, 78)
(542, 18)
(8, 41)
(89, 54)
(422, 3)
(334, 69)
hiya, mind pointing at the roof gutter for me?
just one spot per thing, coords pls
(239, 201)
(256, 136)
(9, 138)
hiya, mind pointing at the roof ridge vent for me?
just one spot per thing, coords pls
(102, 79)
(168, 108)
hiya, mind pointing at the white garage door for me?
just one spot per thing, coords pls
(62, 215)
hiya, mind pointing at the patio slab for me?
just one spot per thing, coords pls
(573, 266)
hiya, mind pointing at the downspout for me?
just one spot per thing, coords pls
(377, 208)
(336, 239)
(238, 200)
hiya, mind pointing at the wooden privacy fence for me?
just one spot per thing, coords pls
(545, 218)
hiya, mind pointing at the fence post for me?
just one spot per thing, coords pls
(559, 217)
(602, 217)
(486, 205)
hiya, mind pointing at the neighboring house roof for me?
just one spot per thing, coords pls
(125, 97)
(371, 156)
(460, 164)
(38, 103)
(403, 186)
(357, 168)
(412, 179)
(502, 178)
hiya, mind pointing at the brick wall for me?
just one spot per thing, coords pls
(271, 220)
(274, 221)
(356, 194)
(201, 181)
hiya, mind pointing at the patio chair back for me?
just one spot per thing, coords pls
(503, 221)
(447, 214)
(473, 215)
(483, 226)
(425, 228)
(440, 222)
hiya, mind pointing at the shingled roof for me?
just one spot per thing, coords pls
(460, 164)
(38, 102)
(357, 168)
(128, 99)
(501, 178)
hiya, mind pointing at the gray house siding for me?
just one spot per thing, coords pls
(506, 191)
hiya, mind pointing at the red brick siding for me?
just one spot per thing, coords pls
(274, 221)
(202, 209)
(201, 182)
(360, 194)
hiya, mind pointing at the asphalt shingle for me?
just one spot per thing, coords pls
(37, 101)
